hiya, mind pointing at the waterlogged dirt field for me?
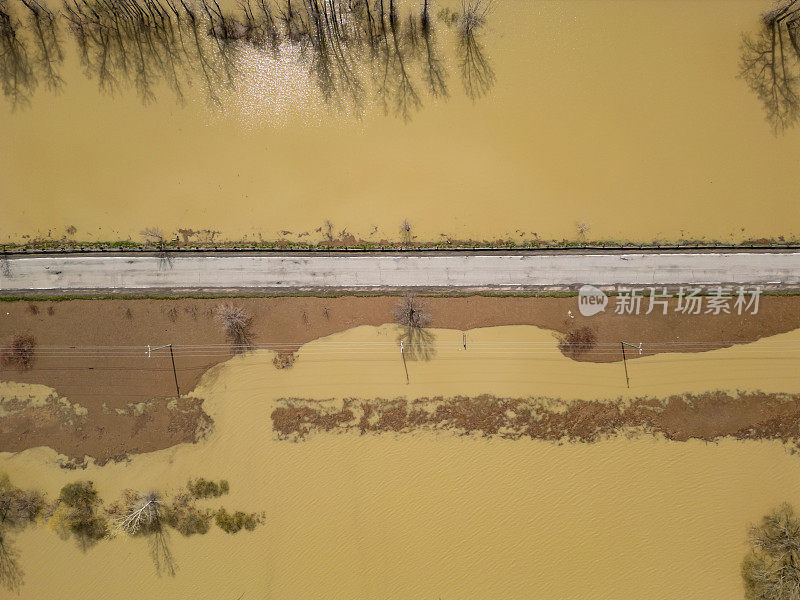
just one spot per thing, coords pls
(92, 390)
(564, 145)
(432, 513)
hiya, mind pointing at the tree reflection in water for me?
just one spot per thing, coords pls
(354, 51)
(770, 64)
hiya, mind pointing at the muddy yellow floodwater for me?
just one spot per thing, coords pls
(437, 515)
(623, 117)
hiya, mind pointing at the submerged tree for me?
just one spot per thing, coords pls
(143, 514)
(770, 64)
(771, 570)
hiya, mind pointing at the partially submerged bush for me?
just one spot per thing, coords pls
(204, 488)
(76, 514)
(233, 523)
(20, 354)
(183, 516)
(284, 360)
(771, 570)
(18, 507)
(578, 341)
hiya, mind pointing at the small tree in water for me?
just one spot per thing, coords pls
(771, 570)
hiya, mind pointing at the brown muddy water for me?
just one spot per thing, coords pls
(583, 120)
(437, 515)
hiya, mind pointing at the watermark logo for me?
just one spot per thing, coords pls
(717, 300)
(591, 300)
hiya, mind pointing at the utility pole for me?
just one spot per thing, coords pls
(172, 357)
(625, 361)
(405, 366)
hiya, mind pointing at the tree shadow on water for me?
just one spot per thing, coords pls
(418, 343)
(160, 552)
(11, 575)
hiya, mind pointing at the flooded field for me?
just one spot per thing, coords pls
(547, 121)
(436, 514)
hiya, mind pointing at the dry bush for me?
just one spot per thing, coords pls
(284, 360)
(139, 513)
(578, 341)
(51, 311)
(20, 354)
(236, 323)
(770, 570)
(33, 309)
(412, 312)
(153, 235)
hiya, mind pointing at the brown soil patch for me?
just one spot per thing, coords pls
(707, 417)
(103, 382)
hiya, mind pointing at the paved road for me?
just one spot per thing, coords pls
(364, 272)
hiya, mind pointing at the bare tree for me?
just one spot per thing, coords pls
(236, 324)
(142, 512)
(144, 515)
(411, 311)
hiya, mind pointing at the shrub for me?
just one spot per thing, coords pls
(20, 354)
(284, 360)
(18, 507)
(204, 488)
(183, 516)
(578, 341)
(233, 523)
(80, 494)
(76, 514)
